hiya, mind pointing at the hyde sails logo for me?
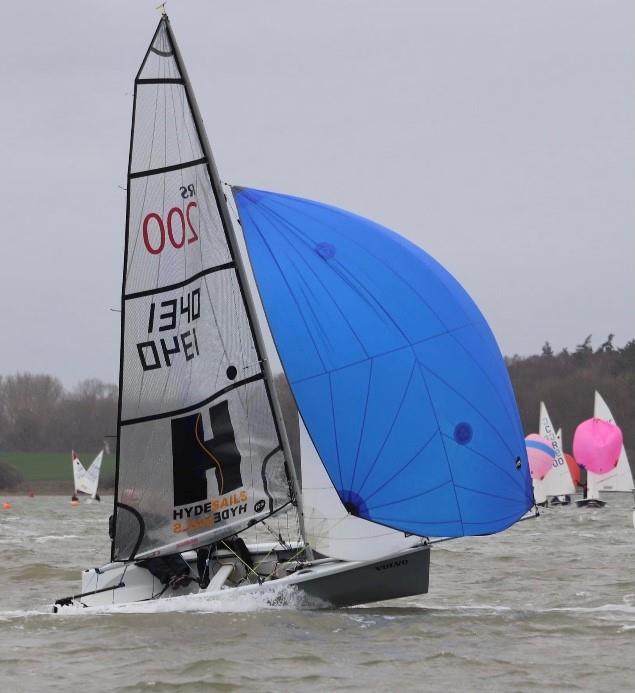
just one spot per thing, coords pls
(192, 457)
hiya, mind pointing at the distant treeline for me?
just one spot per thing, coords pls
(566, 381)
(38, 415)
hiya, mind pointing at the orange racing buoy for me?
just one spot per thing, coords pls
(7, 506)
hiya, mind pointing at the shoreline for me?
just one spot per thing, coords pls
(47, 488)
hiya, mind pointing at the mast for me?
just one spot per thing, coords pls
(243, 281)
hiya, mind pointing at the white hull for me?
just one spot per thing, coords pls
(324, 582)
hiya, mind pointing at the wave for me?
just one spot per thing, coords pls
(626, 609)
(23, 613)
(289, 598)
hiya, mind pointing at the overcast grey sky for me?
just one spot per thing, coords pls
(497, 134)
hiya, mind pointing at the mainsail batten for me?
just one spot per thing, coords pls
(199, 452)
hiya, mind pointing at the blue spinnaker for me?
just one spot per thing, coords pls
(395, 372)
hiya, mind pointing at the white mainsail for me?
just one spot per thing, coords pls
(91, 478)
(558, 481)
(199, 450)
(78, 470)
(621, 477)
(540, 495)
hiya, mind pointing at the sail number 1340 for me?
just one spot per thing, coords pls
(171, 316)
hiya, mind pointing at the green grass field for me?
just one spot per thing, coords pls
(54, 466)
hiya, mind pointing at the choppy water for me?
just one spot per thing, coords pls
(547, 604)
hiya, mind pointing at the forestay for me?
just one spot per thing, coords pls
(397, 377)
(199, 455)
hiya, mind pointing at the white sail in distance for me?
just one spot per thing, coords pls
(558, 481)
(619, 478)
(540, 495)
(78, 470)
(87, 480)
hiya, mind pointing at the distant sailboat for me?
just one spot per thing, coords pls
(540, 455)
(619, 479)
(557, 485)
(410, 428)
(86, 480)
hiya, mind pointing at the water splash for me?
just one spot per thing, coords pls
(249, 599)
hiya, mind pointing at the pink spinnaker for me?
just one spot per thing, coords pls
(597, 445)
(541, 455)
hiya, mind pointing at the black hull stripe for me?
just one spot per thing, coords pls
(164, 80)
(178, 285)
(193, 407)
(167, 169)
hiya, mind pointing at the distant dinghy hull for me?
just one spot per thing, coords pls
(560, 500)
(590, 503)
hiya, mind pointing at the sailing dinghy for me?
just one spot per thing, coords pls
(540, 455)
(558, 485)
(86, 480)
(409, 426)
(619, 479)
